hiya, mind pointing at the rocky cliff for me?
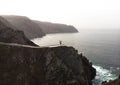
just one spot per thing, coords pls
(49, 28)
(21, 65)
(31, 29)
(9, 35)
(25, 63)
(112, 82)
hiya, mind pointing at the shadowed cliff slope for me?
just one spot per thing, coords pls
(34, 29)
(9, 35)
(49, 28)
(27, 64)
(31, 29)
(20, 65)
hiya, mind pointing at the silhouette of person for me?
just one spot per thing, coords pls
(60, 42)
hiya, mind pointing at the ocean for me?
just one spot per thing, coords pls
(101, 47)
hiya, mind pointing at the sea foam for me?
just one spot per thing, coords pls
(102, 74)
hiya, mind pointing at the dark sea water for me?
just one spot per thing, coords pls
(102, 47)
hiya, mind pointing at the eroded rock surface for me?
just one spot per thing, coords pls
(43, 66)
(9, 35)
(25, 63)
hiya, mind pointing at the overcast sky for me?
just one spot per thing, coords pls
(98, 14)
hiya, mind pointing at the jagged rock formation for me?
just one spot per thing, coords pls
(21, 66)
(49, 28)
(112, 82)
(27, 64)
(43, 66)
(31, 29)
(66, 67)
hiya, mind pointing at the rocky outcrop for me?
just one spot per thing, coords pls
(20, 65)
(29, 64)
(31, 29)
(9, 35)
(67, 67)
(49, 28)
(112, 82)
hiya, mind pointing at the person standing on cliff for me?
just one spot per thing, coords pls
(60, 42)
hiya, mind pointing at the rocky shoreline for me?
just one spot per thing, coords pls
(112, 82)
(24, 63)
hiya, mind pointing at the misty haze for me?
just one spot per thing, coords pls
(60, 42)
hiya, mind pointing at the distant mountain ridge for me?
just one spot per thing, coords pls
(35, 29)
(31, 29)
(9, 35)
(49, 28)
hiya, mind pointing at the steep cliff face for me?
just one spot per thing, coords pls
(9, 35)
(4, 23)
(27, 64)
(31, 29)
(67, 67)
(22, 65)
(49, 28)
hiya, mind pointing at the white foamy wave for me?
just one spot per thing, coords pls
(118, 68)
(103, 74)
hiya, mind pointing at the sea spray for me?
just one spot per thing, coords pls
(103, 74)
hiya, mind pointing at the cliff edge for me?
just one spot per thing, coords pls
(21, 65)
(50, 28)
(25, 63)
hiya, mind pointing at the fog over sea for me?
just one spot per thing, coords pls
(101, 47)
